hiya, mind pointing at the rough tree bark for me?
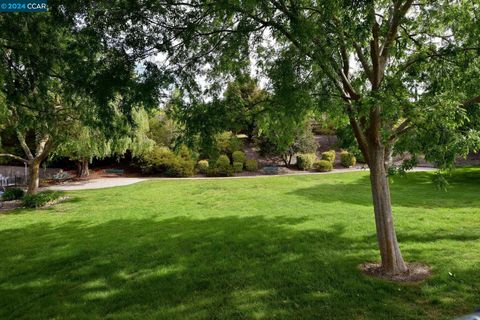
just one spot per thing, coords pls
(43, 147)
(82, 168)
(33, 176)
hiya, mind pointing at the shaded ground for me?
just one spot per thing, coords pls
(262, 248)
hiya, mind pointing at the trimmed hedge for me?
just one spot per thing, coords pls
(13, 194)
(251, 165)
(221, 168)
(347, 159)
(238, 166)
(239, 156)
(162, 160)
(329, 156)
(305, 161)
(323, 166)
(41, 199)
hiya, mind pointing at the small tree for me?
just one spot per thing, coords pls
(279, 140)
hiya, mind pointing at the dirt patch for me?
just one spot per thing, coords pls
(10, 205)
(416, 272)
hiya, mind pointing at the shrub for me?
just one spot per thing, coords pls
(179, 167)
(202, 166)
(347, 159)
(239, 156)
(305, 161)
(162, 160)
(237, 166)
(251, 165)
(222, 168)
(286, 141)
(227, 143)
(323, 166)
(13, 194)
(329, 156)
(41, 199)
(185, 153)
(223, 160)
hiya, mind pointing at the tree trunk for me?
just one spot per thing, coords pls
(388, 156)
(33, 177)
(82, 168)
(392, 260)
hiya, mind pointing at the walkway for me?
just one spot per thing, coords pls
(101, 183)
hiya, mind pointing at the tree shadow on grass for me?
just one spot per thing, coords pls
(219, 268)
(416, 189)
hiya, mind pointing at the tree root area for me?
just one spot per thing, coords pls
(416, 272)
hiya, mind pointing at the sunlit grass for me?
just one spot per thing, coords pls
(265, 248)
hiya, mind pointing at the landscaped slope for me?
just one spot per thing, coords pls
(279, 247)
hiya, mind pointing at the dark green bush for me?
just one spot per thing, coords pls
(221, 168)
(223, 160)
(347, 159)
(179, 167)
(305, 161)
(239, 156)
(13, 194)
(323, 166)
(41, 199)
(202, 166)
(162, 160)
(251, 165)
(329, 156)
(237, 166)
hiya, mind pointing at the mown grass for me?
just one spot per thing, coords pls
(263, 248)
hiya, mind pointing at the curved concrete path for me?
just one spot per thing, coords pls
(96, 184)
(101, 183)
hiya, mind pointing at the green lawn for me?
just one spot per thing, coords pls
(263, 248)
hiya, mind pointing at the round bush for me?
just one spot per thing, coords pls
(347, 159)
(305, 161)
(239, 156)
(202, 166)
(223, 160)
(251, 165)
(323, 166)
(222, 168)
(238, 166)
(329, 156)
(13, 194)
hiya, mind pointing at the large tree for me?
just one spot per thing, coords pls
(370, 59)
(56, 72)
(83, 143)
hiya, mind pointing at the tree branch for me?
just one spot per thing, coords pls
(363, 60)
(471, 101)
(13, 156)
(24, 146)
